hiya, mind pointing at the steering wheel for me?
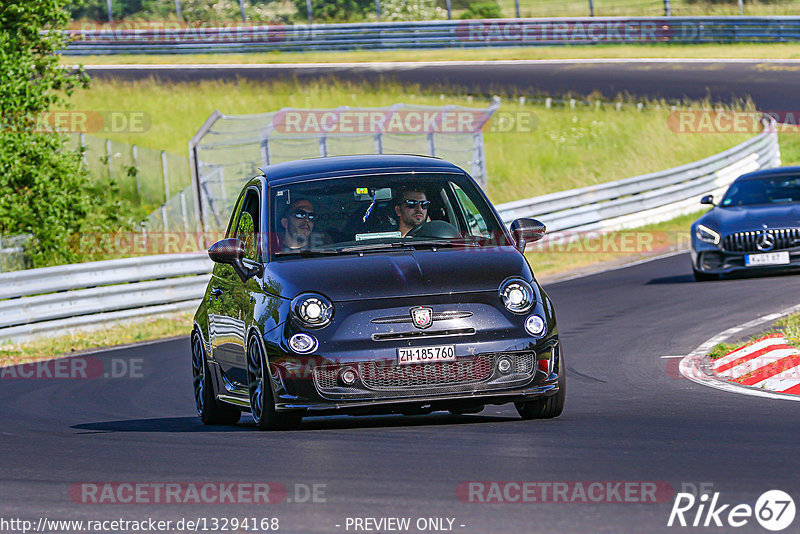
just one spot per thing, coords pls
(435, 229)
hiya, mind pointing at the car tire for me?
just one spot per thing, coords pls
(547, 407)
(262, 405)
(700, 276)
(210, 411)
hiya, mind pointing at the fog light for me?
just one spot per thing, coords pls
(534, 325)
(504, 364)
(348, 376)
(303, 343)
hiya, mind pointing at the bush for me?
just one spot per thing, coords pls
(44, 190)
(401, 10)
(483, 10)
(335, 10)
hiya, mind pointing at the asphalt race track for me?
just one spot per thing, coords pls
(629, 418)
(771, 84)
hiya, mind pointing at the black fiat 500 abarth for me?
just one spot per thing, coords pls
(372, 285)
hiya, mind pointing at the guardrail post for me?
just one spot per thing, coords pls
(265, 155)
(166, 188)
(591, 8)
(183, 211)
(308, 8)
(323, 146)
(378, 9)
(667, 9)
(516, 6)
(379, 143)
(165, 173)
(450, 10)
(135, 154)
(431, 144)
(83, 149)
(178, 9)
(108, 158)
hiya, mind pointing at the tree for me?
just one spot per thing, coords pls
(44, 190)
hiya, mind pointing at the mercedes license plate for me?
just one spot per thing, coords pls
(441, 353)
(770, 258)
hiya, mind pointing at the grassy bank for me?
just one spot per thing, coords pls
(789, 326)
(702, 51)
(547, 150)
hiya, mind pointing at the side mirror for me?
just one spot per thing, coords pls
(527, 231)
(708, 199)
(230, 251)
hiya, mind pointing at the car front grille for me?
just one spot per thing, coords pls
(389, 378)
(747, 242)
(380, 376)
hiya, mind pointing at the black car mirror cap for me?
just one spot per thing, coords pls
(527, 231)
(229, 251)
(708, 199)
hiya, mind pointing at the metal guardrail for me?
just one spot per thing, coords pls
(648, 198)
(54, 299)
(435, 34)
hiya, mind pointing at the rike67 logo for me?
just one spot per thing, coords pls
(774, 510)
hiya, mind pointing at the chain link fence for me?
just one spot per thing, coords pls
(229, 149)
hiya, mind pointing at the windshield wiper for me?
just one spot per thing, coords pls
(307, 253)
(374, 246)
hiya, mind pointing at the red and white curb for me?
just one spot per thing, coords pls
(766, 363)
(766, 367)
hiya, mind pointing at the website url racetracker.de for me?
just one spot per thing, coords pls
(44, 525)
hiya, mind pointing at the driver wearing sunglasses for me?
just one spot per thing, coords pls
(411, 209)
(298, 225)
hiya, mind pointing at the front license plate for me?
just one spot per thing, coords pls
(770, 258)
(441, 353)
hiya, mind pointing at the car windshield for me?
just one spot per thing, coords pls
(374, 213)
(774, 190)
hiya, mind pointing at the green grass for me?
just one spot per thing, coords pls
(582, 253)
(789, 326)
(566, 148)
(166, 326)
(711, 51)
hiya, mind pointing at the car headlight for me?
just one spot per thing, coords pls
(704, 233)
(312, 310)
(517, 295)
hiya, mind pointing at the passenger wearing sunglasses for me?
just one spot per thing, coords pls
(298, 225)
(412, 210)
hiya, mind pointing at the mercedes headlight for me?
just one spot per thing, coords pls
(517, 295)
(312, 310)
(706, 234)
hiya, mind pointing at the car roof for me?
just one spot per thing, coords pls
(334, 166)
(770, 173)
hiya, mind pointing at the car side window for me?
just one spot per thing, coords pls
(476, 225)
(247, 225)
(234, 215)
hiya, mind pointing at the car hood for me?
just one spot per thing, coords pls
(397, 274)
(748, 218)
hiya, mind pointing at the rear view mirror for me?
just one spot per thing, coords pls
(527, 231)
(708, 199)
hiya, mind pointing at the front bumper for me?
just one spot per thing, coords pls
(712, 260)
(314, 385)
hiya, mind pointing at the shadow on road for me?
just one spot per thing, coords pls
(193, 424)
